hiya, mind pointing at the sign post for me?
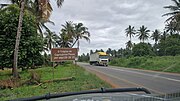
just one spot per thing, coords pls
(63, 54)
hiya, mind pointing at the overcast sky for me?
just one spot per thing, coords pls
(107, 19)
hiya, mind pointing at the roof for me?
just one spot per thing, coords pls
(101, 53)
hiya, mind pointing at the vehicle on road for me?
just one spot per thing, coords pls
(99, 58)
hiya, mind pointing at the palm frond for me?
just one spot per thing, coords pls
(59, 3)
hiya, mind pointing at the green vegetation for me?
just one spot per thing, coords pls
(31, 43)
(164, 63)
(83, 81)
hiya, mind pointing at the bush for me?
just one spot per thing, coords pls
(136, 61)
(142, 49)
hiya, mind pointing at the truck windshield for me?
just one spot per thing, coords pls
(103, 56)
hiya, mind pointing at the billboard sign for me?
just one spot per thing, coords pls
(63, 54)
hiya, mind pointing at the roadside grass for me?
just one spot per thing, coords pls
(83, 81)
(164, 63)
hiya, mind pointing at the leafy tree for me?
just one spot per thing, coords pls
(170, 46)
(109, 51)
(130, 31)
(142, 49)
(31, 43)
(120, 52)
(143, 33)
(174, 19)
(41, 9)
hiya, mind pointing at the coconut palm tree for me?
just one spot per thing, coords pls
(170, 27)
(41, 9)
(129, 45)
(22, 6)
(130, 31)
(156, 36)
(174, 18)
(68, 28)
(14, 69)
(80, 32)
(143, 33)
(64, 40)
(50, 39)
(164, 35)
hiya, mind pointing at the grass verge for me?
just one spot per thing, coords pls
(164, 63)
(83, 81)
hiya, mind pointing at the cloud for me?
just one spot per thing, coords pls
(107, 19)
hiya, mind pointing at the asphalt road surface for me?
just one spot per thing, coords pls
(156, 82)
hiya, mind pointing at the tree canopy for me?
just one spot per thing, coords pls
(31, 43)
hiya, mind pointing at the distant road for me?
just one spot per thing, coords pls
(156, 82)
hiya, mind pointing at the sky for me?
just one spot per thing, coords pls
(107, 19)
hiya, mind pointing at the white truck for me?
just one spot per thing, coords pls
(99, 58)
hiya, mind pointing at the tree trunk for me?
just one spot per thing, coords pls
(14, 70)
(78, 45)
(74, 43)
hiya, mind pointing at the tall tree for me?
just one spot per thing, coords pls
(68, 29)
(50, 39)
(156, 36)
(14, 70)
(130, 31)
(174, 19)
(30, 45)
(91, 52)
(143, 33)
(64, 40)
(42, 9)
(164, 35)
(80, 32)
(129, 45)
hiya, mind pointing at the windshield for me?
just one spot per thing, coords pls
(103, 57)
(52, 47)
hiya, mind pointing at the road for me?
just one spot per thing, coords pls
(156, 82)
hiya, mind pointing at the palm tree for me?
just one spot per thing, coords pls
(42, 10)
(143, 33)
(22, 6)
(80, 32)
(50, 39)
(129, 45)
(170, 27)
(64, 40)
(156, 36)
(68, 28)
(174, 18)
(164, 35)
(14, 70)
(130, 31)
